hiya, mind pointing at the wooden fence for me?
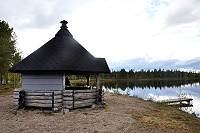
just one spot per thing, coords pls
(58, 100)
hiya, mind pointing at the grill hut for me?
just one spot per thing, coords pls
(44, 81)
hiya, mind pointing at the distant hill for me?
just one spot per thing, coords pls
(143, 63)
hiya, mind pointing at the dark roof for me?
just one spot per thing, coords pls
(62, 53)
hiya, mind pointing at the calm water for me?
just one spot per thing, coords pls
(160, 91)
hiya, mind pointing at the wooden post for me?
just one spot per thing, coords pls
(63, 81)
(97, 81)
(52, 100)
(73, 100)
(98, 89)
(88, 79)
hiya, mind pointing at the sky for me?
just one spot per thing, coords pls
(113, 29)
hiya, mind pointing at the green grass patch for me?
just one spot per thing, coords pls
(7, 88)
(85, 113)
(104, 106)
(48, 113)
(137, 116)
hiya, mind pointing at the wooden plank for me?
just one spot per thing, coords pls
(17, 89)
(84, 98)
(39, 91)
(68, 94)
(58, 100)
(56, 105)
(85, 91)
(176, 100)
(16, 93)
(15, 100)
(42, 97)
(38, 94)
(67, 102)
(42, 101)
(85, 101)
(39, 101)
(45, 91)
(58, 97)
(42, 105)
(68, 106)
(68, 98)
(85, 95)
(83, 105)
(57, 92)
(38, 105)
(67, 91)
(15, 96)
(38, 97)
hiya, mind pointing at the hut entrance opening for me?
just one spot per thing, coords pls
(81, 81)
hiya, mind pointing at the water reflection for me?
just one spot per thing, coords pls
(160, 90)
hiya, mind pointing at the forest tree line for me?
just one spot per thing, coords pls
(146, 74)
(9, 54)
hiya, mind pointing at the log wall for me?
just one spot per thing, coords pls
(44, 99)
(57, 100)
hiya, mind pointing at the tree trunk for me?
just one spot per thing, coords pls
(0, 80)
(15, 79)
(6, 77)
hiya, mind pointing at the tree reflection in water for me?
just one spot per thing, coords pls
(157, 84)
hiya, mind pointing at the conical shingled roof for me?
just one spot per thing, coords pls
(62, 53)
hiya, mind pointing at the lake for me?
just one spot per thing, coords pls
(159, 90)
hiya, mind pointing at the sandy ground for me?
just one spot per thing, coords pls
(117, 117)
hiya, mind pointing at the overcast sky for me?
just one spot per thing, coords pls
(112, 29)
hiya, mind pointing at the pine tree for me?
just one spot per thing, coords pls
(8, 51)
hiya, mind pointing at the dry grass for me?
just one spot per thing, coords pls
(160, 115)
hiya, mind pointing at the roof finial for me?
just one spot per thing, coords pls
(64, 24)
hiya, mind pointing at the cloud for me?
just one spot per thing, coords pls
(114, 29)
(143, 63)
(183, 12)
(25, 14)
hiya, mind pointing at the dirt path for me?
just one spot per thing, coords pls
(122, 114)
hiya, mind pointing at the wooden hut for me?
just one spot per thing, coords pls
(44, 74)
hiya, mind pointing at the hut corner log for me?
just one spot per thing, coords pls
(21, 99)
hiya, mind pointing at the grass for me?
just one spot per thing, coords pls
(137, 116)
(48, 113)
(169, 116)
(7, 88)
(104, 106)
